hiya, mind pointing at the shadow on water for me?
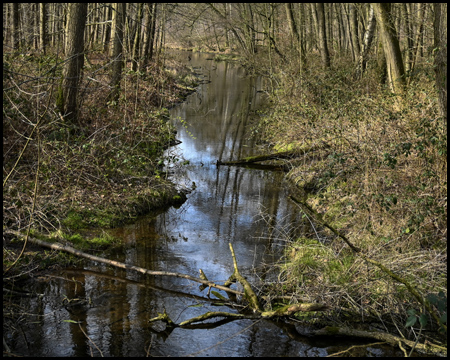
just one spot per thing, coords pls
(103, 311)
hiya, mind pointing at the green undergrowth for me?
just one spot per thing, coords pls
(374, 165)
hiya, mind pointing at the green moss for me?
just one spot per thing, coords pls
(74, 220)
(332, 330)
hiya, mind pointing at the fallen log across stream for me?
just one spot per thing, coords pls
(282, 155)
(248, 294)
(259, 158)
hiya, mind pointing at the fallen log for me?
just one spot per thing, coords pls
(291, 154)
(379, 335)
(71, 250)
(258, 158)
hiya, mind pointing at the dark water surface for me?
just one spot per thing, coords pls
(247, 207)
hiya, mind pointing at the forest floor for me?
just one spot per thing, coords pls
(100, 172)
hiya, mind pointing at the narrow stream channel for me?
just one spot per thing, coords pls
(247, 207)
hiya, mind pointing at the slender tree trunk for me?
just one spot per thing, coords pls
(418, 42)
(74, 51)
(43, 27)
(137, 38)
(107, 29)
(315, 25)
(368, 37)
(354, 33)
(117, 50)
(15, 25)
(408, 34)
(291, 22)
(440, 60)
(323, 46)
(152, 42)
(391, 47)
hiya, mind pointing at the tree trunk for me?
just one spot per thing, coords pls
(74, 51)
(354, 33)
(15, 25)
(117, 50)
(418, 43)
(150, 26)
(408, 34)
(323, 46)
(42, 26)
(137, 38)
(368, 37)
(107, 29)
(295, 38)
(440, 59)
(391, 47)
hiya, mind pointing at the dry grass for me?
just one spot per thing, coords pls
(382, 180)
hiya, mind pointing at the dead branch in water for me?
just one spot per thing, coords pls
(249, 294)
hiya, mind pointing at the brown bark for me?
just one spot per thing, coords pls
(117, 50)
(15, 25)
(74, 59)
(43, 26)
(440, 59)
(354, 32)
(367, 42)
(322, 35)
(391, 47)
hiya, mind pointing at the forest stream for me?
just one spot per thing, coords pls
(247, 207)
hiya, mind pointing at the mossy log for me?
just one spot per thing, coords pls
(249, 294)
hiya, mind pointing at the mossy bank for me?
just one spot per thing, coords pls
(101, 172)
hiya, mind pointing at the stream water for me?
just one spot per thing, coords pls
(244, 206)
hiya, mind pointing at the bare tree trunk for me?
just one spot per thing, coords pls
(137, 38)
(15, 25)
(107, 29)
(354, 33)
(42, 26)
(117, 50)
(368, 37)
(74, 60)
(391, 47)
(291, 23)
(149, 35)
(418, 42)
(323, 46)
(440, 60)
(408, 34)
